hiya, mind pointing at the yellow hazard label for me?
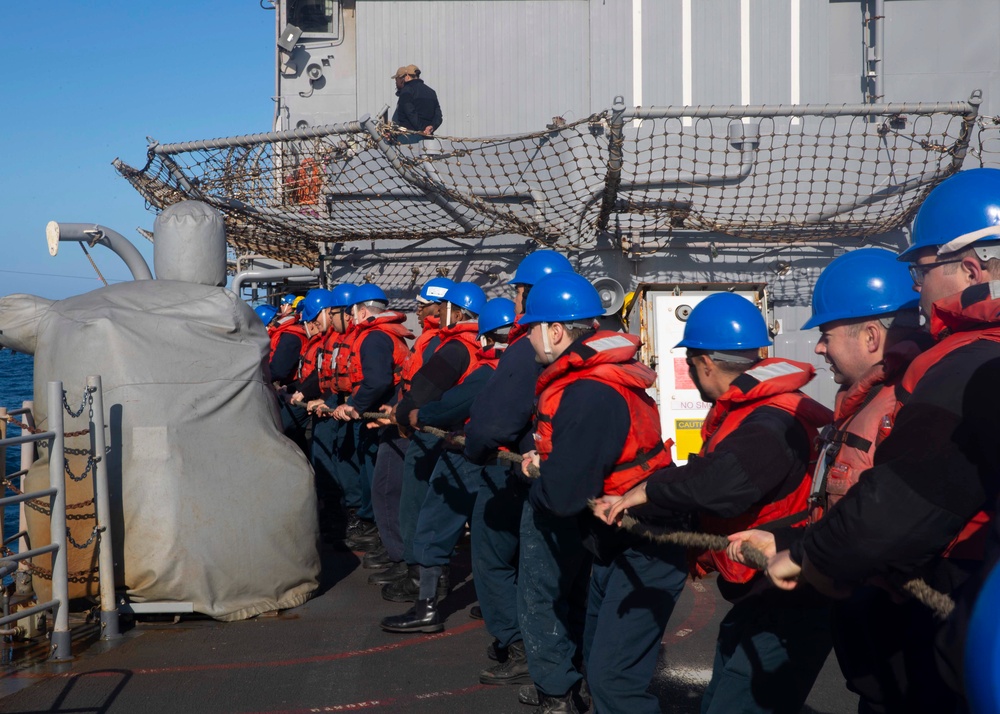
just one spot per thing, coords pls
(688, 437)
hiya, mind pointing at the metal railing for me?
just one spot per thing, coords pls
(59, 533)
(61, 636)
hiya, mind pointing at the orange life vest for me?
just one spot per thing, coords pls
(334, 361)
(309, 359)
(287, 325)
(466, 333)
(861, 421)
(390, 323)
(342, 363)
(774, 383)
(415, 360)
(609, 358)
(954, 326)
(517, 331)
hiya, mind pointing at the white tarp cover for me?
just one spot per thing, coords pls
(211, 503)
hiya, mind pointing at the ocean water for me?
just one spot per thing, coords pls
(15, 387)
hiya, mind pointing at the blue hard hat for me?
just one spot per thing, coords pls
(724, 321)
(537, 265)
(434, 290)
(982, 649)
(964, 208)
(289, 299)
(266, 313)
(468, 296)
(316, 300)
(343, 294)
(367, 292)
(863, 283)
(499, 312)
(562, 297)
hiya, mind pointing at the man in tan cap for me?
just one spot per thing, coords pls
(417, 110)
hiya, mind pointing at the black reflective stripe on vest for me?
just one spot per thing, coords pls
(850, 439)
(641, 459)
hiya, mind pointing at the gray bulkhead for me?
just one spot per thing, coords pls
(507, 66)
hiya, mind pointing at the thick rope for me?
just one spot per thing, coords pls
(940, 603)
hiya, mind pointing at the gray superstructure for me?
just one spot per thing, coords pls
(674, 146)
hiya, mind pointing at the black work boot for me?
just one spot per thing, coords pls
(364, 537)
(406, 588)
(444, 582)
(394, 572)
(528, 694)
(512, 671)
(556, 705)
(376, 559)
(496, 653)
(422, 617)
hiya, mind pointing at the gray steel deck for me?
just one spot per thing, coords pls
(330, 655)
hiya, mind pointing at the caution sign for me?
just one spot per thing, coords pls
(687, 434)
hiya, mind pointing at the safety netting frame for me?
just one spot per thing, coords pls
(632, 176)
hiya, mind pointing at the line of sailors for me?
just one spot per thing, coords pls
(900, 481)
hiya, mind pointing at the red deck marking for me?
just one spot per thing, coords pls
(395, 702)
(421, 639)
(701, 613)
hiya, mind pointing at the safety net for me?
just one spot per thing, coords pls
(633, 177)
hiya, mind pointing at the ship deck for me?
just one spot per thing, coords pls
(329, 655)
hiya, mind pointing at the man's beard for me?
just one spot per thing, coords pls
(697, 383)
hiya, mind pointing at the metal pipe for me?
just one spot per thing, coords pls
(309, 132)
(32, 553)
(270, 276)
(508, 195)
(28, 612)
(61, 639)
(22, 497)
(29, 438)
(27, 459)
(878, 63)
(92, 233)
(736, 111)
(17, 536)
(105, 536)
(613, 179)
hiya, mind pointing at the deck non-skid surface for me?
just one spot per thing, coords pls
(330, 655)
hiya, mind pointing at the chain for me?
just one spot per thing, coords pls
(83, 404)
(31, 430)
(79, 546)
(39, 506)
(79, 576)
(89, 468)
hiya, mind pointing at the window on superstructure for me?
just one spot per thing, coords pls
(314, 15)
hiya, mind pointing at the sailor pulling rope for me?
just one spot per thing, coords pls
(940, 603)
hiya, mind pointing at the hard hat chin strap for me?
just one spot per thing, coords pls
(546, 344)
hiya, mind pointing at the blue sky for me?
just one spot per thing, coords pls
(85, 82)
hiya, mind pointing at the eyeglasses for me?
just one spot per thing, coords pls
(919, 272)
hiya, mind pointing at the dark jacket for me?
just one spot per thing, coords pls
(501, 414)
(938, 467)
(376, 359)
(438, 374)
(417, 107)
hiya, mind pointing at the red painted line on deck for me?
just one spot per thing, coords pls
(701, 613)
(421, 639)
(394, 702)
